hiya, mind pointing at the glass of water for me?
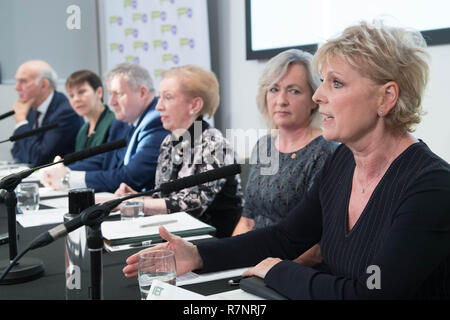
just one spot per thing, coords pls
(156, 264)
(27, 194)
(132, 208)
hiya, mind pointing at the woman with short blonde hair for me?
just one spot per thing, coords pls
(198, 82)
(186, 94)
(380, 208)
(385, 54)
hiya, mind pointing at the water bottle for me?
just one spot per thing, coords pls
(77, 257)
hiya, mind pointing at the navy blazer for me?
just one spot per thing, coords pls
(43, 147)
(134, 165)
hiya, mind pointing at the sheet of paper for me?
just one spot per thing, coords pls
(7, 168)
(47, 192)
(49, 216)
(41, 217)
(146, 244)
(104, 196)
(237, 294)
(10, 169)
(192, 277)
(163, 291)
(63, 201)
(144, 226)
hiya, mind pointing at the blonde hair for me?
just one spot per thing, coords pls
(275, 69)
(198, 82)
(383, 54)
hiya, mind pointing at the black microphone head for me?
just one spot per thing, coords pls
(204, 177)
(106, 147)
(33, 132)
(7, 114)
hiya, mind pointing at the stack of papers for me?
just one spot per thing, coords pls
(163, 291)
(60, 206)
(47, 192)
(147, 228)
(192, 277)
(41, 217)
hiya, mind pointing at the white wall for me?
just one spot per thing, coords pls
(238, 79)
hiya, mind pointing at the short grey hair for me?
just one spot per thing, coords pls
(276, 68)
(133, 74)
(48, 73)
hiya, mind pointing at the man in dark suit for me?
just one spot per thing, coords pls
(39, 104)
(133, 102)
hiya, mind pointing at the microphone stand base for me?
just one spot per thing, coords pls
(27, 269)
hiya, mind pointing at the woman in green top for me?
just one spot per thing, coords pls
(85, 91)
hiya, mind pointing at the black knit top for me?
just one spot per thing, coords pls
(402, 236)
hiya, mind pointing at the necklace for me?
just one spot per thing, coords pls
(369, 183)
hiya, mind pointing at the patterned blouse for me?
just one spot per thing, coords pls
(218, 203)
(277, 183)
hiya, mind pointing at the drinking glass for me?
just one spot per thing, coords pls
(27, 194)
(132, 208)
(156, 264)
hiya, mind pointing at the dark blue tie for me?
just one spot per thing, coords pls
(36, 119)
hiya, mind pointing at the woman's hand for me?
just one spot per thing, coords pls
(261, 269)
(186, 255)
(123, 190)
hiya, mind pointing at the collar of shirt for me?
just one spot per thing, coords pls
(44, 106)
(136, 122)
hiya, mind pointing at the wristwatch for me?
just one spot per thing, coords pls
(65, 180)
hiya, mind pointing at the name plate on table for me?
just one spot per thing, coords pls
(163, 291)
(146, 229)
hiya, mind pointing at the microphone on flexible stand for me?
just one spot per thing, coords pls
(33, 268)
(31, 133)
(97, 213)
(7, 114)
(94, 215)
(11, 181)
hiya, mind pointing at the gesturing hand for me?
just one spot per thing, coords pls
(186, 254)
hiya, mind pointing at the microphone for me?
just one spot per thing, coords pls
(87, 153)
(201, 178)
(6, 115)
(95, 214)
(11, 181)
(31, 133)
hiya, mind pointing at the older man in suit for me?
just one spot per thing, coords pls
(133, 102)
(39, 104)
